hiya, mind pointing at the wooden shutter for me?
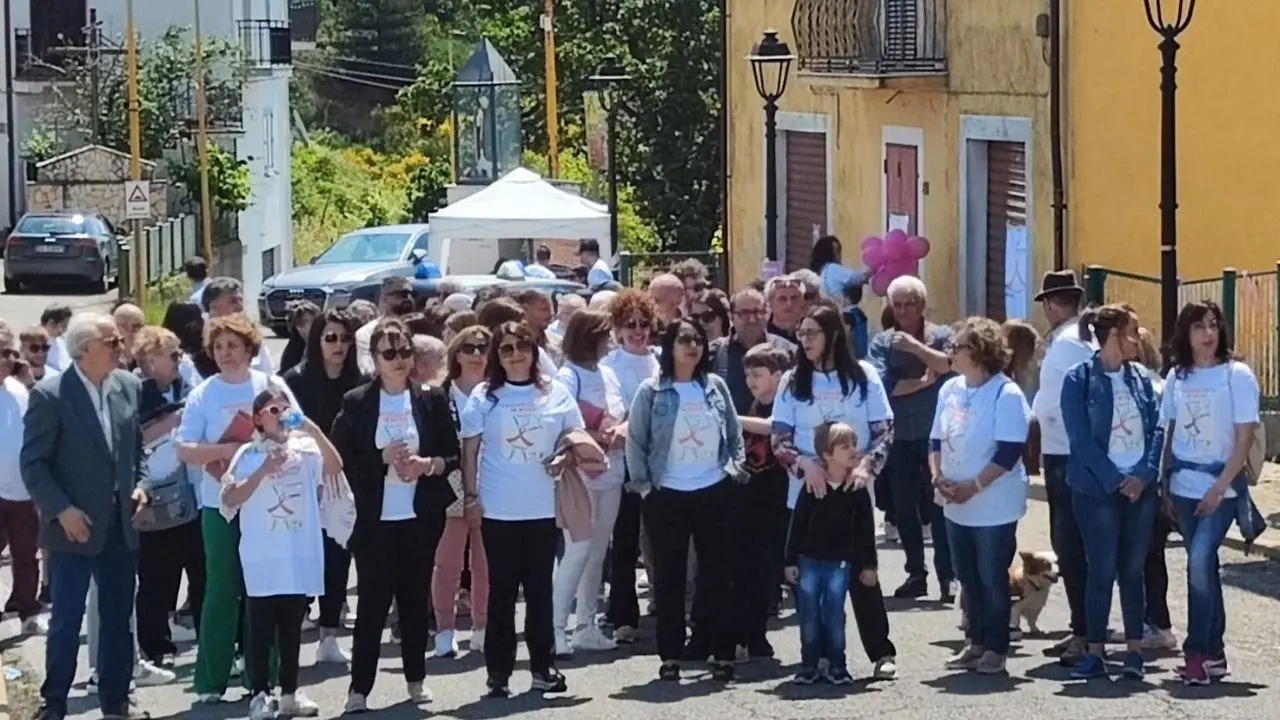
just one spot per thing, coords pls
(806, 195)
(1006, 205)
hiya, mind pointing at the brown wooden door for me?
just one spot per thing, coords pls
(806, 195)
(901, 182)
(1006, 206)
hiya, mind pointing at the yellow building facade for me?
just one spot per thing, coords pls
(1228, 152)
(923, 114)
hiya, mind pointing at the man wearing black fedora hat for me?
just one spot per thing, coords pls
(1061, 298)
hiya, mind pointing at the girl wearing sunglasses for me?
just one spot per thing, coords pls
(327, 371)
(273, 486)
(521, 415)
(398, 444)
(461, 542)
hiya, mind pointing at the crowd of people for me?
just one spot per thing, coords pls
(475, 452)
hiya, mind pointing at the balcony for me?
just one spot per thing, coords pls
(35, 52)
(876, 39)
(266, 43)
(304, 20)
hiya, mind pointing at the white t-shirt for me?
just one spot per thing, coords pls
(538, 271)
(264, 363)
(187, 370)
(1128, 442)
(13, 406)
(829, 404)
(969, 422)
(363, 357)
(599, 399)
(599, 275)
(1065, 350)
(546, 364)
(835, 278)
(58, 358)
(631, 370)
(520, 427)
(395, 422)
(693, 462)
(1205, 406)
(281, 540)
(209, 411)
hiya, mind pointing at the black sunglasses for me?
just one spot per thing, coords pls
(689, 340)
(506, 350)
(637, 325)
(706, 317)
(38, 348)
(392, 353)
(476, 349)
(334, 338)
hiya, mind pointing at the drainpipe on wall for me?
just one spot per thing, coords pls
(1055, 134)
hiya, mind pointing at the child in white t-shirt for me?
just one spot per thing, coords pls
(274, 484)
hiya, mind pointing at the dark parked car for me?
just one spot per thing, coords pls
(356, 259)
(49, 247)
(425, 289)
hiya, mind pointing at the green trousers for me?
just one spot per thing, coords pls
(221, 613)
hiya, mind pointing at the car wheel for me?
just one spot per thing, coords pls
(12, 286)
(102, 285)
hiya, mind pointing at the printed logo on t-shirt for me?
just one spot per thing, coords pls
(829, 403)
(955, 423)
(696, 436)
(1196, 419)
(286, 511)
(1126, 425)
(522, 432)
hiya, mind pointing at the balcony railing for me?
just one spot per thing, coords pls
(266, 43)
(871, 37)
(34, 51)
(304, 20)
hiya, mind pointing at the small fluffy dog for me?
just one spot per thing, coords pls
(1031, 577)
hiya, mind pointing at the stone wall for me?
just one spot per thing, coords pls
(91, 180)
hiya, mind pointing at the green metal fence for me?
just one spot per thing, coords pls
(1250, 301)
(636, 269)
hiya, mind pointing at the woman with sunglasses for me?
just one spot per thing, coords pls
(521, 415)
(684, 441)
(461, 541)
(599, 395)
(711, 309)
(281, 544)
(827, 386)
(398, 444)
(633, 361)
(326, 373)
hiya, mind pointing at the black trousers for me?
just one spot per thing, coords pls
(163, 555)
(624, 605)
(1156, 574)
(521, 554)
(674, 518)
(1064, 534)
(872, 618)
(276, 619)
(911, 490)
(393, 561)
(337, 572)
(759, 540)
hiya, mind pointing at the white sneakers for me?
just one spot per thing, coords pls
(1157, 639)
(477, 640)
(563, 648)
(147, 674)
(328, 651)
(446, 644)
(419, 693)
(356, 703)
(591, 639)
(298, 705)
(263, 707)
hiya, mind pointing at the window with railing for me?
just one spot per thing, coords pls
(35, 50)
(266, 42)
(871, 37)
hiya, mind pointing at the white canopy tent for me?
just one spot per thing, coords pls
(522, 205)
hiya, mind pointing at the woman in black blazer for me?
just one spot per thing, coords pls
(398, 445)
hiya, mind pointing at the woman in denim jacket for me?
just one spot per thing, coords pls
(1111, 415)
(684, 442)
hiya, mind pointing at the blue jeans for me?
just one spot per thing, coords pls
(981, 557)
(1116, 534)
(1202, 536)
(114, 570)
(820, 609)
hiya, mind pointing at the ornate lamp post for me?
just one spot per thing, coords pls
(771, 65)
(1169, 27)
(609, 80)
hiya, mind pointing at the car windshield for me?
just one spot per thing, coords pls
(53, 225)
(365, 247)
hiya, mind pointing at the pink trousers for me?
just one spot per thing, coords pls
(448, 575)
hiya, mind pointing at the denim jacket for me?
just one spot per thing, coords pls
(1087, 407)
(652, 424)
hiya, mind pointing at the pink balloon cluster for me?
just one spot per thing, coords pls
(892, 256)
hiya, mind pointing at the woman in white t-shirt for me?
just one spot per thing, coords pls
(599, 396)
(1210, 409)
(633, 361)
(979, 433)
(829, 385)
(512, 422)
(273, 486)
(216, 421)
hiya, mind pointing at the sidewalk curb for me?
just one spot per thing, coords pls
(1268, 546)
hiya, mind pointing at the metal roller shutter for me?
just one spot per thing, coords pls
(806, 195)
(1006, 205)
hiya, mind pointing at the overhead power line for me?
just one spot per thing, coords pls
(357, 73)
(348, 78)
(374, 63)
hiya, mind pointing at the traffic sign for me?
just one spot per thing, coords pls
(137, 200)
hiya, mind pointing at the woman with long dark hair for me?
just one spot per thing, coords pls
(826, 260)
(301, 314)
(684, 443)
(829, 385)
(186, 320)
(521, 415)
(326, 373)
(1210, 408)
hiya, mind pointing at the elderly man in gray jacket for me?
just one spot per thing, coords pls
(81, 461)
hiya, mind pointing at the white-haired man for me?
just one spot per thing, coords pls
(788, 297)
(81, 461)
(912, 361)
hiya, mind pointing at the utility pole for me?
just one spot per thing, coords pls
(139, 259)
(202, 145)
(93, 52)
(553, 111)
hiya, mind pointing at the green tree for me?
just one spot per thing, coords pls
(381, 31)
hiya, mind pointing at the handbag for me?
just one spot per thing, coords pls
(1258, 447)
(454, 509)
(171, 498)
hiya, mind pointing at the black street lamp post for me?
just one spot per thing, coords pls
(609, 79)
(771, 65)
(1169, 29)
